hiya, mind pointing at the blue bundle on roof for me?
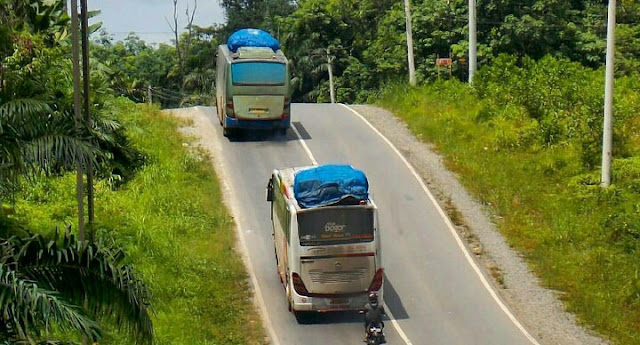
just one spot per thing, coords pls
(252, 38)
(329, 184)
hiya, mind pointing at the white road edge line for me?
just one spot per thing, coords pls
(451, 230)
(393, 319)
(243, 243)
(254, 280)
(396, 325)
(304, 145)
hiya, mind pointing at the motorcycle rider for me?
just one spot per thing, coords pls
(373, 312)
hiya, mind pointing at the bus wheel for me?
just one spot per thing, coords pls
(282, 131)
(226, 131)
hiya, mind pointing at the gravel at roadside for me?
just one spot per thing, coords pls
(536, 307)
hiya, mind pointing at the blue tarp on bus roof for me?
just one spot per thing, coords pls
(252, 38)
(329, 184)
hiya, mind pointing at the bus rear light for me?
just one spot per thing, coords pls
(284, 116)
(376, 284)
(230, 108)
(298, 285)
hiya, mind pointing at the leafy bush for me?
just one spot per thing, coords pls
(527, 143)
(171, 221)
(563, 97)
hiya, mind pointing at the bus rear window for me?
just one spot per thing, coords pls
(335, 226)
(258, 73)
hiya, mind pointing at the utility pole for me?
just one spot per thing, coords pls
(330, 69)
(608, 96)
(473, 58)
(85, 79)
(412, 67)
(77, 114)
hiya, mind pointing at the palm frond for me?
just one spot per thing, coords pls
(25, 309)
(50, 152)
(104, 130)
(22, 107)
(92, 274)
(105, 124)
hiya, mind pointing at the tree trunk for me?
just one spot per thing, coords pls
(87, 116)
(412, 68)
(78, 117)
(175, 30)
(330, 69)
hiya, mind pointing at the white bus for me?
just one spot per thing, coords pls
(253, 89)
(326, 237)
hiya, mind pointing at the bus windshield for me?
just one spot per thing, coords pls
(258, 73)
(335, 226)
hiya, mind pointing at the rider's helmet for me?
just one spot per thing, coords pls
(373, 299)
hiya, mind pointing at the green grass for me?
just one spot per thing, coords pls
(565, 229)
(176, 230)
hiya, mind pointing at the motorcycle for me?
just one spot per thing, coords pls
(375, 336)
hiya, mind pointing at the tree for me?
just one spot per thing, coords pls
(348, 25)
(45, 283)
(37, 134)
(35, 139)
(259, 14)
(200, 65)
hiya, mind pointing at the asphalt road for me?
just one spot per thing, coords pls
(434, 290)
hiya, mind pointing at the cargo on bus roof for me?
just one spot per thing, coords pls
(330, 184)
(252, 38)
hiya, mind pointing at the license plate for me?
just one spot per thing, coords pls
(339, 301)
(257, 110)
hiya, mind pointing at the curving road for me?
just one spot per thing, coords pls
(434, 291)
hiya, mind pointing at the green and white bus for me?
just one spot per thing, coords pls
(253, 89)
(328, 257)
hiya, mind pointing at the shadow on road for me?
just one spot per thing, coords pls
(257, 135)
(303, 131)
(313, 318)
(393, 301)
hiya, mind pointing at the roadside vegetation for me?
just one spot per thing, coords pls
(158, 265)
(526, 141)
(170, 221)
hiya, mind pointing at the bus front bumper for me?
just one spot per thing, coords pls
(257, 124)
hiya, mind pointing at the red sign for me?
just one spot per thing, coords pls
(443, 62)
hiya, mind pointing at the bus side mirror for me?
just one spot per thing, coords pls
(270, 190)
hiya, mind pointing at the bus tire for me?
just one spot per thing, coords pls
(226, 131)
(282, 131)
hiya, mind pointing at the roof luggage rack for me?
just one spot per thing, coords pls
(327, 185)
